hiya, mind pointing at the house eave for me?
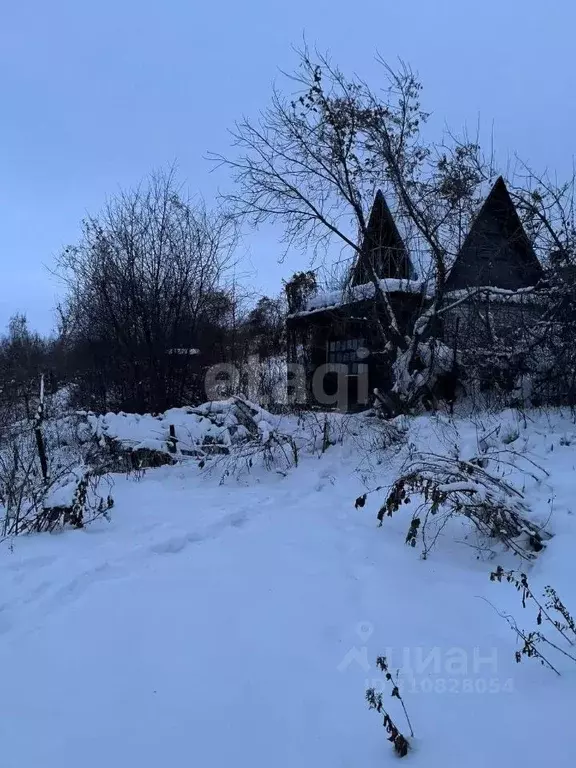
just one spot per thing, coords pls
(335, 300)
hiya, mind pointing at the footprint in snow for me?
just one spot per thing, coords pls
(77, 586)
(177, 544)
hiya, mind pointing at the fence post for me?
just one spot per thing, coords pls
(172, 440)
(38, 432)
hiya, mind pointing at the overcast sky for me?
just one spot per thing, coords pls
(94, 95)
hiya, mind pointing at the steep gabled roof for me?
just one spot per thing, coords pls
(497, 251)
(385, 245)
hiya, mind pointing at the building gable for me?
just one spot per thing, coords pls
(385, 247)
(497, 251)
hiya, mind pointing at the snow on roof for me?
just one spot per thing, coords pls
(520, 295)
(334, 299)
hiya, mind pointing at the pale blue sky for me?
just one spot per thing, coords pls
(94, 95)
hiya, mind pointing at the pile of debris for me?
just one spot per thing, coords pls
(135, 441)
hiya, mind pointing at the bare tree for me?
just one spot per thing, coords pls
(548, 210)
(313, 161)
(146, 280)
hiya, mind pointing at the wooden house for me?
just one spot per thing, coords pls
(496, 264)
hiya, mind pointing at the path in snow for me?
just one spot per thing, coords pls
(219, 626)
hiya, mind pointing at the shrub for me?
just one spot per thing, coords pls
(376, 702)
(551, 613)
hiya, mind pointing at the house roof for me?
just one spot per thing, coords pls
(391, 262)
(385, 246)
(496, 256)
(496, 251)
(332, 300)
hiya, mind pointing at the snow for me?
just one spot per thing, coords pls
(505, 295)
(133, 430)
(334, 299)
(223, 620)
(459, 486)
(437, 357)
(215, 422)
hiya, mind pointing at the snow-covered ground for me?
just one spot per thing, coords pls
(237, 623)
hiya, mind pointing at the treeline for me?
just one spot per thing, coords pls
(150, 303)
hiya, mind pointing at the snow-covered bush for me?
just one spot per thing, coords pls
(69, 493)
(50, 473)
(466, 479)
(446, 486)
(270, 440)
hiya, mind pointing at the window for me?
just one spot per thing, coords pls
(345, 351)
